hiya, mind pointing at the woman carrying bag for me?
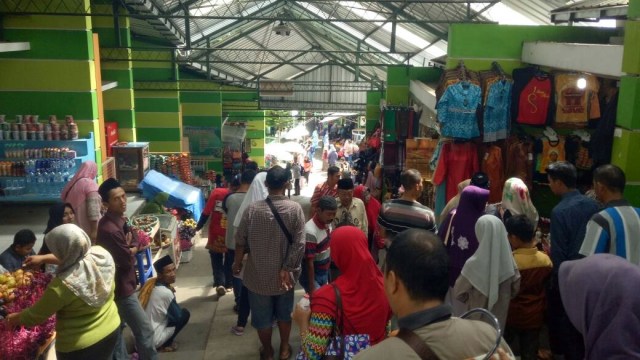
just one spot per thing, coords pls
(353, 312)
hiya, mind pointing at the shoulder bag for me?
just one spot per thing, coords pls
(341, 346)
(417, 344)
(286, 232)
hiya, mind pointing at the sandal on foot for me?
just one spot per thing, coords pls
(285, 355)
(264, 356)
(171, 348)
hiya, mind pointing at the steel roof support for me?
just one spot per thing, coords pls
(243, 20)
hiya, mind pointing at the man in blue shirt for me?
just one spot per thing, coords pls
(568, 226)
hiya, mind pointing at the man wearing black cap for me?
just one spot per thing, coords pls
(159, 302)
(350, 211)
(115, 236)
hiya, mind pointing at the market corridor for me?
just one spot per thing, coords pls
(207, 336)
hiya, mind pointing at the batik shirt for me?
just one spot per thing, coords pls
(497, 111)
(457, 111)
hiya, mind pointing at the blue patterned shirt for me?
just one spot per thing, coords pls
(457, 110)
(497, 111)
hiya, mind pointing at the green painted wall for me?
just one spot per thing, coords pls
(498, 42)
(57, 76)
(255, 121)
(158, 116)
(119, 103)
(633, 13)
(626, 142)
(373, 109)
(203, 109)
(481, 44)
(240, 101)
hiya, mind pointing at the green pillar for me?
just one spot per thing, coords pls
(626, 142)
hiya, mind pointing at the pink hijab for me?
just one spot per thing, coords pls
(78, 190)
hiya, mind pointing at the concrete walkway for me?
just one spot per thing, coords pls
(208, 335)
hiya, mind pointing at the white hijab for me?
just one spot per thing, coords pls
(257, 191)
(87, 271)
(493, 262)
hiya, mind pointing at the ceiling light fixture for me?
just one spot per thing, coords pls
(282, 29)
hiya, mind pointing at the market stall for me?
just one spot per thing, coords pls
(20, 290)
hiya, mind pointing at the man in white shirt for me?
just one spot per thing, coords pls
(167, 318)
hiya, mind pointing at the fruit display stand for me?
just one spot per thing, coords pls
(21, 290)
(168, 239)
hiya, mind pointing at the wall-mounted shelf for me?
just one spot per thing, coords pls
(14, 46)
(598, 59)
(84, 148)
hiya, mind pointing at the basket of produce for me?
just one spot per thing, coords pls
(147, 223)
(20, 290)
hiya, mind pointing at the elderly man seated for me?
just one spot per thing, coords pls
(158, 299)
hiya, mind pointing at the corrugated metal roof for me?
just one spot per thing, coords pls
(591, 10)
(246, 24)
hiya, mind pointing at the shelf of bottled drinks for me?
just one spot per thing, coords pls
(38, 170)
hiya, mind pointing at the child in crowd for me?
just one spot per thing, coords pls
(527, 309)
(22, 247)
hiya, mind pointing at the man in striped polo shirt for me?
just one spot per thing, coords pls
(406, 212)
(315, 266)
(616, 229)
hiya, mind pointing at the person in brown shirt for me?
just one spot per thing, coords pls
(116, 237)
(526, 311)
(273, 264)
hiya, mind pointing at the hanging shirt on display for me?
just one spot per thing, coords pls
(457, 111)
(576, 106)
(492, 166)
(520, 160)
(534, 101)
(551, 151)
(457, 162)
(497, 112)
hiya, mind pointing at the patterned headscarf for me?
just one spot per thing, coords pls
(516, 199)
(87, 271)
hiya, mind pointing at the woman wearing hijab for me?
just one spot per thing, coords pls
(490, 278)
(515, 201)
(82, 193)
(59, 214)
(365, 308)
(332, 156)
(81, 297)
(457, 231)
(156, 205)
(372, 207)
(600, 294)
(453, 203)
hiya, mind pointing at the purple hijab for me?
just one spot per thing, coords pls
(601, 297)
(462, 241)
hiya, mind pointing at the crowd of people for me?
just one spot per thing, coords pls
(398, 279)
(382, 280)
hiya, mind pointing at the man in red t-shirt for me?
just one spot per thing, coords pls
(221, 257)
